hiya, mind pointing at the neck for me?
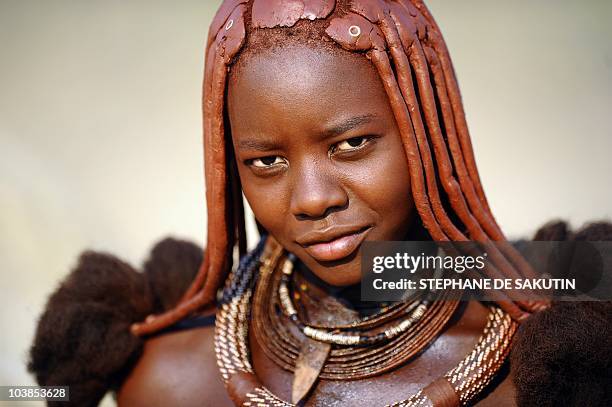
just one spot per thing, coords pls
(349, 296)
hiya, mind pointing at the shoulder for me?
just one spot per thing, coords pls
(176, 368)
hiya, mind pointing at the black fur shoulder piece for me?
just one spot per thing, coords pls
(83, 338)
(563, 356)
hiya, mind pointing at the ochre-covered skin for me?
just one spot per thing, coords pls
(180, 369)
(391, 33)
(315, 188)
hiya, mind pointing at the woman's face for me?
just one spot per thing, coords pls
(319, 155)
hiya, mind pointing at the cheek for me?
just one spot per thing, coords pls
(267, 200)
(385, 190)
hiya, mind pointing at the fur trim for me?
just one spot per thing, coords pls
(171, 268)
(563, 356)
(83, 338)
(554, 231)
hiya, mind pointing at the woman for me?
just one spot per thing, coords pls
(341, 122)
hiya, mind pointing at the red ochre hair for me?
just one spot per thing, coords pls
(405, 45)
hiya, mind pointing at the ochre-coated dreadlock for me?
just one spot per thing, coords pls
(404, 43)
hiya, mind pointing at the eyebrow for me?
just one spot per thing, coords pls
(348, 124)
(334, 130)
(258, 145)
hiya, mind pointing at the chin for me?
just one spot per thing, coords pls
(340, 276)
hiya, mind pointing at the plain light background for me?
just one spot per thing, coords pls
(100, 129)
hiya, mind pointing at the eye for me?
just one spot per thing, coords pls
(266, 162)
(351, 144)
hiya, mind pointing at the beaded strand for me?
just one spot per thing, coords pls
(417, 312)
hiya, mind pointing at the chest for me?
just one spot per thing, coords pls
(446, 351)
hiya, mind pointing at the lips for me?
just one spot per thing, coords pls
(335, 243)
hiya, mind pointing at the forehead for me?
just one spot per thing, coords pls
(282, 86)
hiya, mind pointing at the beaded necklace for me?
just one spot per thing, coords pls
(345, 362)
(465, 380)
(415, 312)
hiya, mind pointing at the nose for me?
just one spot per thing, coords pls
(316, 192)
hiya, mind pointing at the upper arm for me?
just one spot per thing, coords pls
(176, 369)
